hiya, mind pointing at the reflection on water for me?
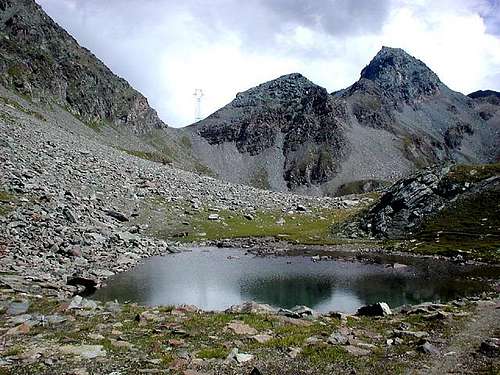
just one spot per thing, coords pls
(210, 280)
(285, 290)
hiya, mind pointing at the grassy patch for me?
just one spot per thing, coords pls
(289, 335)
(361, 186)
(472, 173)
(323, 355)
(218, 351)
(312, 227)
(16, 105)
(6, 201)
(470, 226)
(186, 142)
(202, 169)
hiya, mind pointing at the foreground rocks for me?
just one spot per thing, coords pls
(57, 336)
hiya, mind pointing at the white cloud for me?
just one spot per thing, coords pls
(166, 49)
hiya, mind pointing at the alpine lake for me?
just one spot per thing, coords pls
(215, 279)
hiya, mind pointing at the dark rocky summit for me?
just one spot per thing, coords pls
(289, 115)
(288, 134)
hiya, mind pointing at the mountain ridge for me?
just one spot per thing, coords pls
(399, 107)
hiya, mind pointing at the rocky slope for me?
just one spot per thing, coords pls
(487, 104)
(41, 62)
(288, 134)
(281, 135)
(447, 209)
(71, 206)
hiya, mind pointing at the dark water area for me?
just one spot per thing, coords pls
(214, 279)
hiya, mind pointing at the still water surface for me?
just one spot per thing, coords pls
(208, 279)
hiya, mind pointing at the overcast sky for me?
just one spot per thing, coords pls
(167, 48)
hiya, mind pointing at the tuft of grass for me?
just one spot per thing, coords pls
(323, 355)
(6, 201)
(219, 352)
(186, 142)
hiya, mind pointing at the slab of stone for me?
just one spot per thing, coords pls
(84, 351)
(241, 328)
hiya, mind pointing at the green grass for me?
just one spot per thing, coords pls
(324, 355)
(218, 351)
(6, 201)
(289, 335)
(16, 105)
(473, 173)
(312, 227)
(186, 142)
(470, 226)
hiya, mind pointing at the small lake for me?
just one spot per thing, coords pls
(214, 279)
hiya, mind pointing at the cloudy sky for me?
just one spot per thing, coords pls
(167, 48)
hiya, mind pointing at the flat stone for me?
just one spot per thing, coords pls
(412, 334)
(21, 329)
(336, 338)
(356, 351)
(294, 352)
(241, 328)
(121, 344)
(84, 351)
(18, 307)
(261, 339)
(428, 348)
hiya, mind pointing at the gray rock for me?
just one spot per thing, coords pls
(428, 348)
(336, 338)
(490, 347)
(18, 307)
(84, 351)
(117, 215)
(377, 309)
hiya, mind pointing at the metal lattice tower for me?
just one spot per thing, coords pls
(198, 94)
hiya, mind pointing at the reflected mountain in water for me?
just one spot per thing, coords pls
(287, 292)
(219, 278)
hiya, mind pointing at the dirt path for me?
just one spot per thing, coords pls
(461, 355)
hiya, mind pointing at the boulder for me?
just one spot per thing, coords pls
(377, 309)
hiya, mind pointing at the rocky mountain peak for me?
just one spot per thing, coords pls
(395, 69)
(287, 89)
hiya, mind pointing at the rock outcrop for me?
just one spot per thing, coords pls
(415, 203)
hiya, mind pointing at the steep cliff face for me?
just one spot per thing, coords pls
(42, 61)
(396, 118)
